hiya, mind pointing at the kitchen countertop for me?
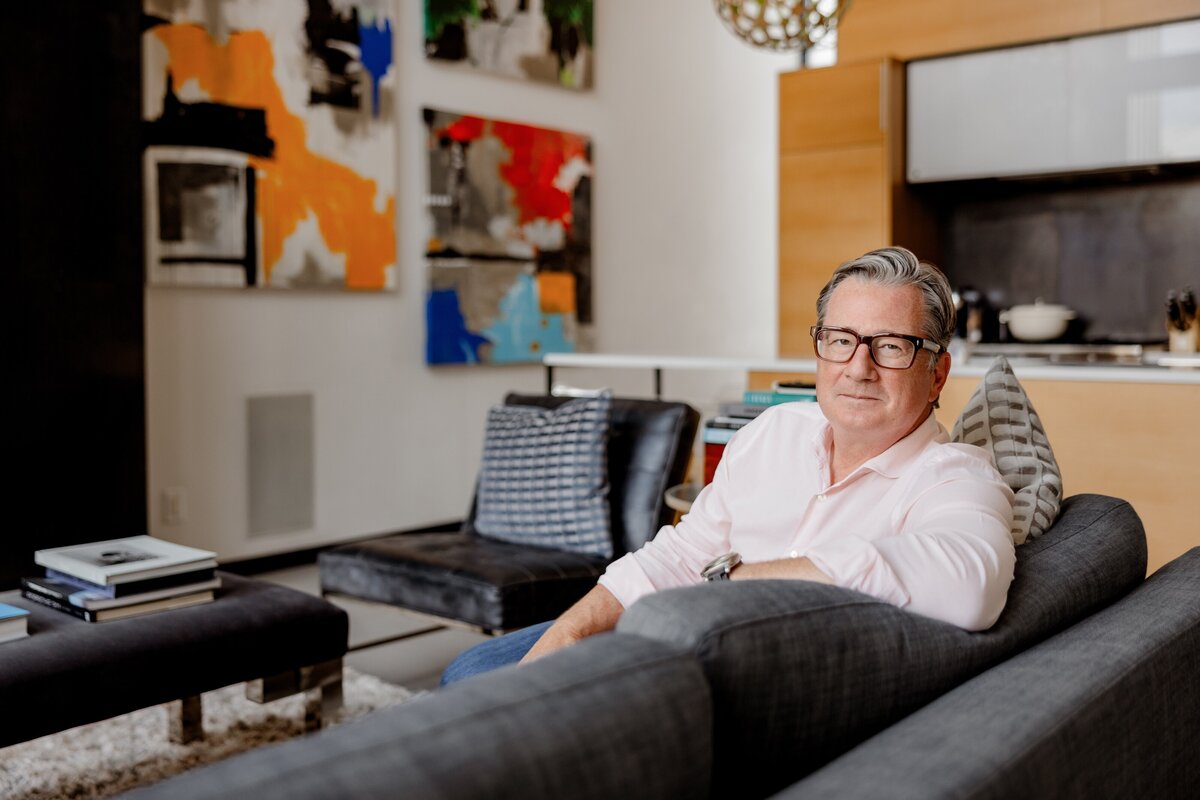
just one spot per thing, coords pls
(972, 367)
(1042, 369)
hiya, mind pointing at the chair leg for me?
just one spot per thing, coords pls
(185, 720)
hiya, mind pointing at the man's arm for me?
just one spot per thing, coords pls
(796, 569)
(597, 612)
(951, 560)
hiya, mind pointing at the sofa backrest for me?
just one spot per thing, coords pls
(649, 444)
(613, 717)
(1108, 708)
(801, 672)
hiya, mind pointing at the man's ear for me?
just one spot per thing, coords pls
(941, 372)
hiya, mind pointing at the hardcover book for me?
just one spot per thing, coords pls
(97, 600)
(14, 623)
(124, 560)
(134, 587)
(772, 398)
(122, 612)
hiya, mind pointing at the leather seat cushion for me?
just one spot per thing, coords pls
(495, 585)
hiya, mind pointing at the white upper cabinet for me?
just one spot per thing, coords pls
(1126, 99)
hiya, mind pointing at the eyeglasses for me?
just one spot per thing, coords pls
(888, 350)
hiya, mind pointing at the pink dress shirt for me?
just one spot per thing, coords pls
(924, 525)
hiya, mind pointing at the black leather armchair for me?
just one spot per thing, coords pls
(499, 586)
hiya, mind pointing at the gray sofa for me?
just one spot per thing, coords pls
(748, 689)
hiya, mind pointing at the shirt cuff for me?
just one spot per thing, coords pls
(626, 580)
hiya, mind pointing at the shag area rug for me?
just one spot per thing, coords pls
(106, 758)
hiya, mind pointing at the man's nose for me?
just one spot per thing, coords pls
(861, 366)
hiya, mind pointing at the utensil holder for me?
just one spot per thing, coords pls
(1184, 341)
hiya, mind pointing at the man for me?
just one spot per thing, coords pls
(862, 490)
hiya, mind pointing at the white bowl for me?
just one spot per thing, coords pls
(1038, 322)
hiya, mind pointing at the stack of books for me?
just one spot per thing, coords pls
(122, 578)
(733, 416)
(14, 623)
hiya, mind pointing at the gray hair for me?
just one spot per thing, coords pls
(895, 266)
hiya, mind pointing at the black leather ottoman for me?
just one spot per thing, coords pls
(69, 672)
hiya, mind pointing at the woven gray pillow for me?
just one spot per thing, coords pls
(1000, 419)
(544, 480)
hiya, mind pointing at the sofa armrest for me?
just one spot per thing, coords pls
(1108, 708)
(800, 672)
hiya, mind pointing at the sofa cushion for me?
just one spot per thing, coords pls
(1108, 708)
(615, 716)
(801, 672)
(544, 479)
(1000, 419)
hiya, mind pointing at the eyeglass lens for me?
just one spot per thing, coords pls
(887, 351)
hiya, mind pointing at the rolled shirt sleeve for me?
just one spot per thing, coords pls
(951, 558)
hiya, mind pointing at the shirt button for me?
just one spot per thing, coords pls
(794, 554)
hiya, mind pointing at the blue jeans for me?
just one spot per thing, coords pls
(494, 653)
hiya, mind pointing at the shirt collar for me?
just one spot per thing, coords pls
(891, 462)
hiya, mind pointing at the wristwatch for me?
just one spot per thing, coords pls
(719, 568)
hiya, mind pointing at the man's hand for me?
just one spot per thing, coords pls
(597, 612)
(799, 569)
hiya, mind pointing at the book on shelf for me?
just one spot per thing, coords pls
(717, 435)
(14, 623)
(794, 387)
(71, 592)
(133, 558)
(122, 612)
(746, 410)
(769, 397)
(135, 587)
(722, 421)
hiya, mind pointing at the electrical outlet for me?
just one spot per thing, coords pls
(174, 505)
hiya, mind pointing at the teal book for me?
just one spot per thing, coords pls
(770, 398)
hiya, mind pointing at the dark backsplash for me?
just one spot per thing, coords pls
(1111, 252)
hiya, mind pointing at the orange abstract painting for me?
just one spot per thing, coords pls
(261, 173)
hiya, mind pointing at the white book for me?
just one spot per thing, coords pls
(122, 560)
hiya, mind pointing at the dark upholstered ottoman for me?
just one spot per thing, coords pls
(69, 672)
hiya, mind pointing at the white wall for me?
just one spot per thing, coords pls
(683, 123)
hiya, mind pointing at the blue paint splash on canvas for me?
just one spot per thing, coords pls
(523, 333)
(447, 340)
(375, 43)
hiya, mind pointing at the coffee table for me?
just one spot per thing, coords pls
(68, 672)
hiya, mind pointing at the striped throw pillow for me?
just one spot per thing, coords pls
(544, 480)
(1000, 419)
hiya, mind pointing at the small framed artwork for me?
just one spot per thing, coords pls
(545, 41)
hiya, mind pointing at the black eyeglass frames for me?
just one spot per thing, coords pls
(888, 350)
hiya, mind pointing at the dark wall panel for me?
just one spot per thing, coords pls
(73, 244)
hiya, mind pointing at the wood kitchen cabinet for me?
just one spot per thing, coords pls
(841, 187)
(1136, 441)
(910, 29)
